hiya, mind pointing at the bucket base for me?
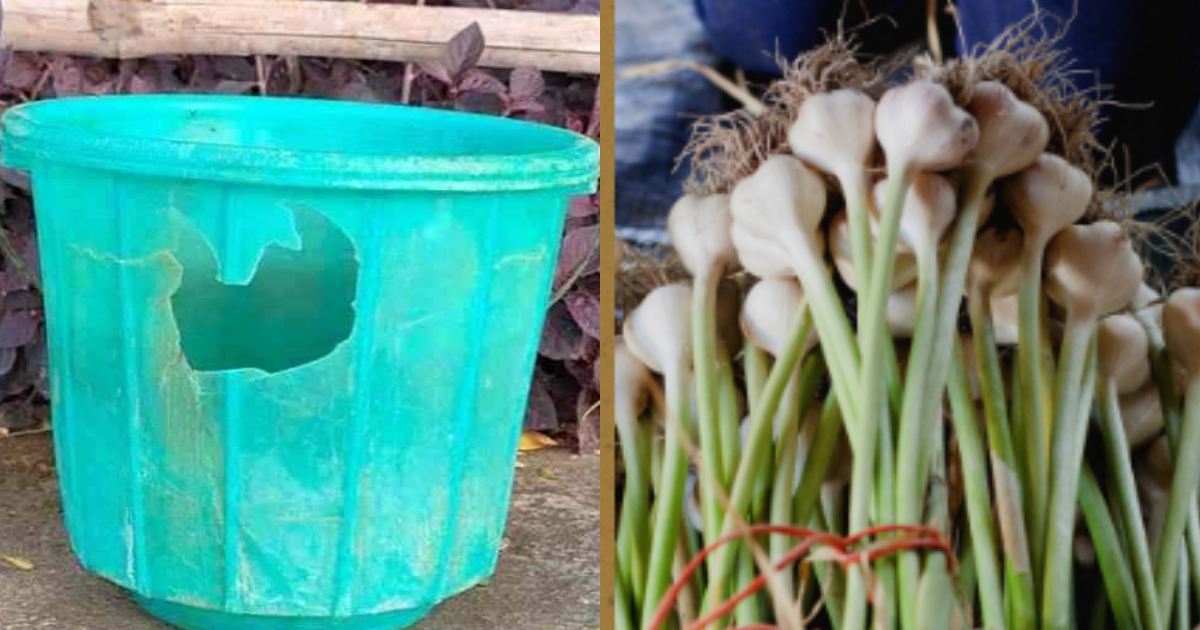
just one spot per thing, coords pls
(193, 618)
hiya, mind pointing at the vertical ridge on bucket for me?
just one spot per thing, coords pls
(522, 282)
(468, 390)
(231, 408)
(59, 330)
(231, 420)
(364, 344)
(130, 341)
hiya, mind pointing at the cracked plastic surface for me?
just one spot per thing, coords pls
(299, 403)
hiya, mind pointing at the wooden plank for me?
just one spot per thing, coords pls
(138, 28)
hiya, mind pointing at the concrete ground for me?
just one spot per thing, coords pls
(548, 577)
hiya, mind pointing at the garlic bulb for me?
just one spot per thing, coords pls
(629, 381)
(1011, 132)
(1141, 415)
(699, 229)
(659, 331)
(1092, 270)
(761, 257)
(1124, 352)
(783, 199)
(929, 209)
(769, 313)
(995, 265)
(835, 132)
(1181, 329)
(921, 129)
(1047, 197)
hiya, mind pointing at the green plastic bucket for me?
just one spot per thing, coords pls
(290, 344)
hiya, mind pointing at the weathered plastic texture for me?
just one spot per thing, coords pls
(290, 343)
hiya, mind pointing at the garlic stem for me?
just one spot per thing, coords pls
(817, 463)
(1034, 427)
(909, 491)
(797, 399)
(622, 619)
(749, 612)
(1064, 478)
(871, 381)
(884, 494)
(949, 292)
(1129, 509)
(1193, 547)
(855, 190)
(631, 565)
(1118, 581)
(704, 366)
(1182, 495)
(754, 368)
(1181, 332)
(634, 537)
(729, 416)
(755, 449)
(686, 608)
(1010, 512)
(979, 513)
(832, 326)
(657, 456)
(1182, 613)
(779, 505)
(669, 501)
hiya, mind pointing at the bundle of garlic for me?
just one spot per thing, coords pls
(931, 338)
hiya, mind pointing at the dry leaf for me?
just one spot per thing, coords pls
(534, 441)
(17, 562)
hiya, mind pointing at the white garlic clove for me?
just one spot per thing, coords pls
(995, 266)
(929, 209)
(699, 229)
(835, 132)
(782, 201)
(921, 129)
(1124, 352)
(1181, 329)
(1092, 270)
(1141, 415)
(659, 331)
(761, 257)
(769, 312)
(1047, 197)
(629, 379)
(1012, 133)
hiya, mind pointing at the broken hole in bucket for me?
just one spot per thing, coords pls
(296, 307)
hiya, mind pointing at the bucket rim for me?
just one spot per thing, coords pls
(50, 131)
